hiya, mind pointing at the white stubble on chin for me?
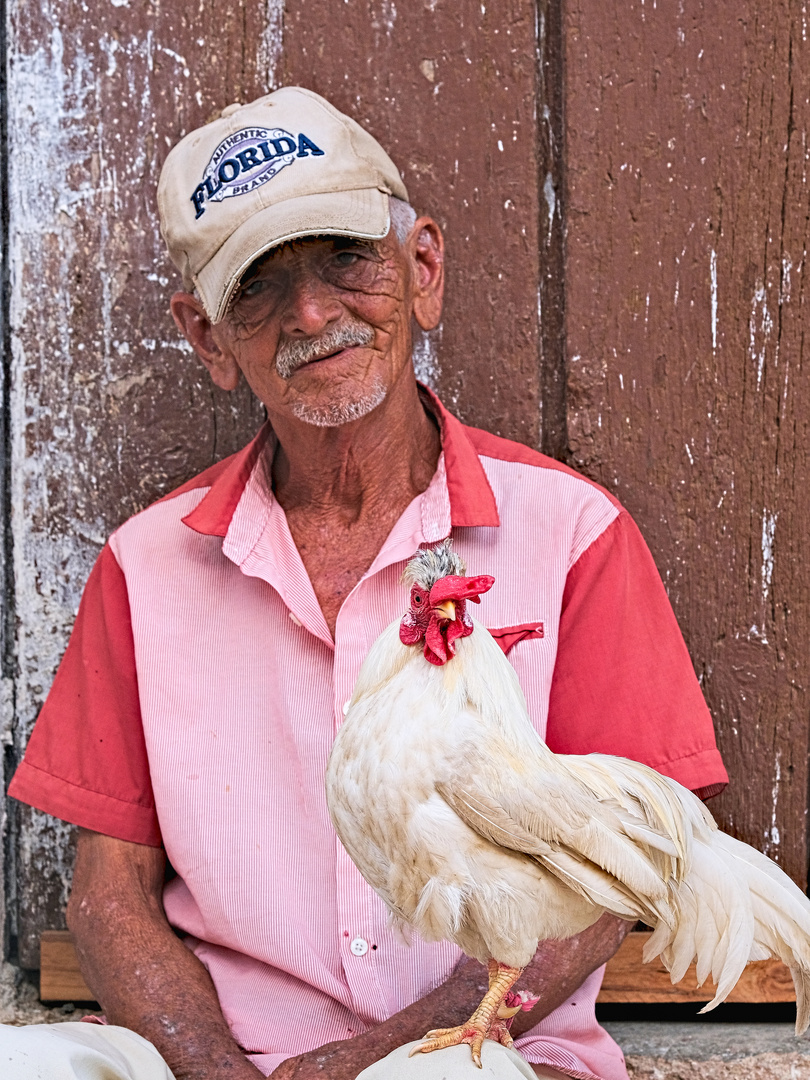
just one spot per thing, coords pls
(337, 413)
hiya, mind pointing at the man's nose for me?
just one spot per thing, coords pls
(311, 306)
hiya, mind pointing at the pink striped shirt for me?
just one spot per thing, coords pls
(201, 691)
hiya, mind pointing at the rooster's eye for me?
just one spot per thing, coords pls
(417, 599)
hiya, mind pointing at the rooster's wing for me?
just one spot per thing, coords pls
(613, 831)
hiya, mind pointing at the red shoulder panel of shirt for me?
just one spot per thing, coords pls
(640, 698)
(86, 760)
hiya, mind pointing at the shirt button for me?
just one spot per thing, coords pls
(346, 705)
(359, 946)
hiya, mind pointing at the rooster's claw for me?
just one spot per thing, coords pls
(439, 1038)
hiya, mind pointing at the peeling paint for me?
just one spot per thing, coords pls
(768, 532)
(271, 44)
(49, 570)
(428, 69)
(425, 356)
(760, 325)
(784, 284)
(6, 711)
(550, 195)
(119, 388)
(713, 276)
(772, 837)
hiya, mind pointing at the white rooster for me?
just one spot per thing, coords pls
(472, 830)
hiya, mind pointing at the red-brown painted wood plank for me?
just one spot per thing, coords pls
(685, 302)
(449, 90)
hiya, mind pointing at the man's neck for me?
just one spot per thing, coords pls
(346, 472)
(344, 488)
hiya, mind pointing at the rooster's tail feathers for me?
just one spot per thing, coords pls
(781, 918)
(737, 906)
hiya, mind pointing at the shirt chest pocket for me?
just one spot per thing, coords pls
(508, 636)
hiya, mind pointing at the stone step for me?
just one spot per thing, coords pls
(667, 1050)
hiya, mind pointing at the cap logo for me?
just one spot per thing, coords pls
(246, 160)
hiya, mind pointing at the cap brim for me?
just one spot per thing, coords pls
(363, 213)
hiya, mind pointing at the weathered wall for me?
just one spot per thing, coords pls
(687, 218)
(667, 362)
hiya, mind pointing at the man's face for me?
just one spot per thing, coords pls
(321, 327)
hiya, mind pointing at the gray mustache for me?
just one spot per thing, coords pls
(292, 355)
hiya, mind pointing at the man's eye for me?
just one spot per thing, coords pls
(352, 270)
(253, 288)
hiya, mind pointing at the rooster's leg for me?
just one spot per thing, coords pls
(489, 1021)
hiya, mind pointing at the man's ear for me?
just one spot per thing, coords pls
(198, 330)
(425, 245)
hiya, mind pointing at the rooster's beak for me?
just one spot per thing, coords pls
(446, 610)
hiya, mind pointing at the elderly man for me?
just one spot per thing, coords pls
(222, 629)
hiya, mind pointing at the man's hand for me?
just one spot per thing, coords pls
(142, 974)
(557, 970)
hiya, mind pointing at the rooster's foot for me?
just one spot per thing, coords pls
(491, 1020)
(471, 1033)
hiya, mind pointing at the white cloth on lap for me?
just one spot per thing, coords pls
(455, 1063)
(76, 1051)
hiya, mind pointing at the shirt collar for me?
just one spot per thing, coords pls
(212, 514)
(472, 501)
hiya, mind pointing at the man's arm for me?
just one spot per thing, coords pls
(142, 974)
(147, 980)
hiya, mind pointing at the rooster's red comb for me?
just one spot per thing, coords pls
(455, 587)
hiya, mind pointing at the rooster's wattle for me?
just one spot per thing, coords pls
(472, 830)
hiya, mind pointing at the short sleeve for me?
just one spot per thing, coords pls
(623, 681)
(86, 760)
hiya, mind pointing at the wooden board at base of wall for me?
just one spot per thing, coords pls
(627, 978)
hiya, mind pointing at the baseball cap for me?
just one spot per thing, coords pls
(283, 166)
